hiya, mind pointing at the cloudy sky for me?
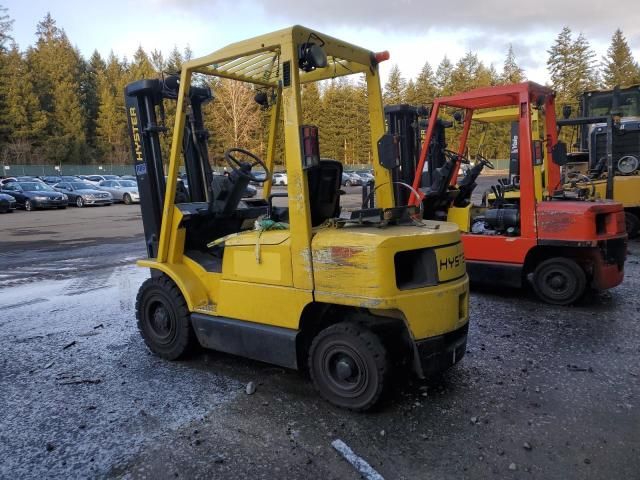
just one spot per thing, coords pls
(413, 31)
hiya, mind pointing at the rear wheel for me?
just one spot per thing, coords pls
(79, 202)
(163, 318)
(28, 206)
(349, 366)
(126, 199)
(633, 224)
(559, 281)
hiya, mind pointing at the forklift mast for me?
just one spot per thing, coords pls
(144, 104)
(407, 123)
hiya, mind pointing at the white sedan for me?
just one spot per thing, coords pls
(121, 190)
(280, 179)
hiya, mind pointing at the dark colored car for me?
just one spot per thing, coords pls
(7, 203)
(51, 179)
(82, 193)
(34, 195)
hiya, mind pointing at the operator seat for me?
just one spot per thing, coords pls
(227, 191)
(324, 182)
(438, 196)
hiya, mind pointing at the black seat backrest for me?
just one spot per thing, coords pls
(324, 190)
(226, 193)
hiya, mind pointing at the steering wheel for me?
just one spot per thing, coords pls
(581, 178)
(485, 161)
(240, 167)
(450, 154)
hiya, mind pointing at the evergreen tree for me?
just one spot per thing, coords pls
(571, 67)
(111, 133)
(586, 75)
(26, 120)
(443, 77)
(141, 66)
(311, 104)
(394, 89)
(470, 73)
(6, 26)
(93, 70)
(424, 90)
(619, 67)
(511, 71)
(57, 70)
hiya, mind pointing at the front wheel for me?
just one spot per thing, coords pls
(127, 199)
(347, 183)
(349, 366)
(79, 202)
(28, 206)
(163, 318)
(559, 281)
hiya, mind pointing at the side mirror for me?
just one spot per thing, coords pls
(389, 151)
(559, 154)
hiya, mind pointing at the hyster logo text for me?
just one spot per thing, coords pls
(452, 262)
(135, 131)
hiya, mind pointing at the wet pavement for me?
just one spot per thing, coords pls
(543, 392)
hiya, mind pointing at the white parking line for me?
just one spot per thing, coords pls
(359, 463)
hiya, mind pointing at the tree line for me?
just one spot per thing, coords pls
(57, 107)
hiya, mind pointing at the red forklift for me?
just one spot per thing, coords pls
(548, 235)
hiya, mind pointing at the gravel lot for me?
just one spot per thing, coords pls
(543, 392)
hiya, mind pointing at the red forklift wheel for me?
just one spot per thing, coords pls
(163, 318)
(349, 366)
(559, 281)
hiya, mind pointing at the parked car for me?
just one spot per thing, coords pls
(261, 176)
(366, 176)
(34, 195)
(350, 179)
(121, 190)
(7, 203)
(4, 181)
(128, 177)
(96, 179)
(250, 192)
(51, 179)
(28, 178)
(280, 178)
(82, 193)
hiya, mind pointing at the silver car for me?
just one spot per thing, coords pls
(121, 190)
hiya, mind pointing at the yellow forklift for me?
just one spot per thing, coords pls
(346, 296)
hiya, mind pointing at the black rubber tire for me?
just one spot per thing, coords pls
(633, 224)
(28, 206)
(164, 320)
(358, 347)
(569, 278)
(126, 199)
(79, 202)
(347, 183)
